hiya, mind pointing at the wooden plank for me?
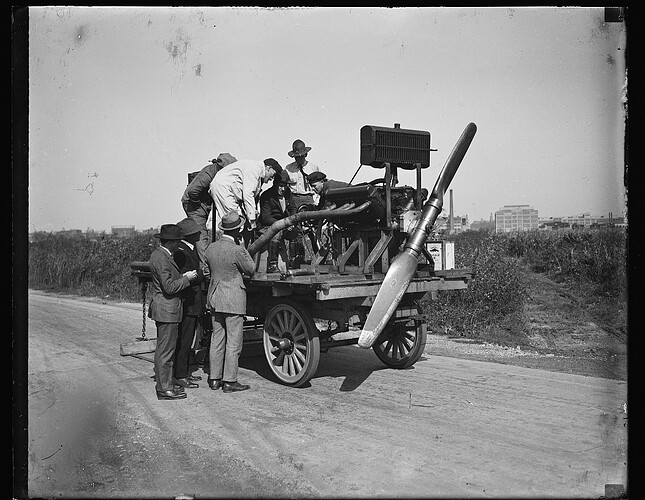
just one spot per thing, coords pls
(362, 290)
(139, 347)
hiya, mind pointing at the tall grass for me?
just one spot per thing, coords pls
(593, 262)
(495, 294)
(98, 268)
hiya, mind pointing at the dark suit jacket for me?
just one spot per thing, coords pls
(187, 259)
(228, 262)
(270, 209)
(167, 285)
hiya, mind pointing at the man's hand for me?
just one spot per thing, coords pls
(191, 275)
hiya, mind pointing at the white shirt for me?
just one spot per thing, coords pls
(301, 186)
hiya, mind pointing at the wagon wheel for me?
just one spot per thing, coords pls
(291, 343)
(401, 345)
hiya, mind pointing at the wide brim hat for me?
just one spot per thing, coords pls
(231, 221)
(188, 226)
(298, 149)
(169, 232)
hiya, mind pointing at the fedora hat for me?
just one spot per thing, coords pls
(298, 148)
(231, 221)
(188, 226)
(284, 179)
(169, 232)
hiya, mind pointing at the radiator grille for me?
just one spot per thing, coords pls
(399, 147)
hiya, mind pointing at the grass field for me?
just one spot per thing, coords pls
(591, 263)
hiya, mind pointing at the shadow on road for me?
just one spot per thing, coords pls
(355, 365)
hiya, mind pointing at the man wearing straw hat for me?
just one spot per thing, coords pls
(228, 262)
(166, 307)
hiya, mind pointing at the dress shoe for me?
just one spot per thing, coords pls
(184, 382)
(234, 387)
(178, 388)
(214, 383)
(273, 268)
(194, 378)
(170, 395)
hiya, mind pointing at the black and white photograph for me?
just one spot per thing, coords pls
(320, 252)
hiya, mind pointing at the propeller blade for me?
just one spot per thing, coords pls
(404, 265)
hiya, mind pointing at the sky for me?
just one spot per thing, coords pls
(125, 102)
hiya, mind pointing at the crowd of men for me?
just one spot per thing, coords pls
(225, 193)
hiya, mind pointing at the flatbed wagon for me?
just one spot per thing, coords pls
(296, 317)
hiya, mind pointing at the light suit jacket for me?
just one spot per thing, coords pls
(228, 262)
(167, 285)
(237, 185)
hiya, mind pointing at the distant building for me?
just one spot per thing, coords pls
(581, 221)
(459, 224)
(482, 225)
(511, 218)
(123, 231)
(70, 233)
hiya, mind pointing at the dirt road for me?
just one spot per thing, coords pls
(446, 427)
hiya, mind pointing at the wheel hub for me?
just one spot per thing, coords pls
(286, 343)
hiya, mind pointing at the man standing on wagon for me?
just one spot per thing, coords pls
(197, 201)
(298, 171)
(166, 307)
(228, 262)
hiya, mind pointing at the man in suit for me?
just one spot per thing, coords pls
(276, 203)
(166, 307)
(228, 261)
(187, 259)
(197, 201)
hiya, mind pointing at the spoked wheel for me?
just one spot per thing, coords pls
(291, 343)
(402, 344)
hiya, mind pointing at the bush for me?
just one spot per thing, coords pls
(97, 268)
(592, 262)
(495, 291)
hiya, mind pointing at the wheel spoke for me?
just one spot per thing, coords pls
(291, 368)
(280, 317)
(275, 327)
(298, 354)
(387, 348)
(279, 359)
(297, 328)
(407, 343)
(293, 319)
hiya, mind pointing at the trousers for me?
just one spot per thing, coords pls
(226, 346)
(165, 354)
(184, 343)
